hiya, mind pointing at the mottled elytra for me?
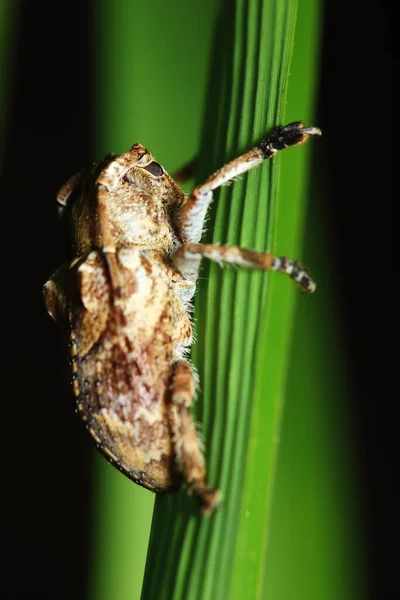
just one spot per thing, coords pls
(124, 300)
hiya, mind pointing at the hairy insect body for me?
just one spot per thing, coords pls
(125, 300)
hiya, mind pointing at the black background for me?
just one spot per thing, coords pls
(357, 103)
(49, 128)
(45, 517)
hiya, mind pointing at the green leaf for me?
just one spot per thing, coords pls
(314, 546)
(243, 318)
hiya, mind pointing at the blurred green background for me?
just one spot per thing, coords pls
(85, 79)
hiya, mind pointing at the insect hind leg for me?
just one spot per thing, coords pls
(189, 458)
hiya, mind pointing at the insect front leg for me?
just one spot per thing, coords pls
(186, 172)
(193, 212)
(189, 459)
(188, 256)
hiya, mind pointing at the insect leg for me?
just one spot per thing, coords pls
(187, 259)
(185, 173)
(54, 294)
(193, 213)
(189, 458)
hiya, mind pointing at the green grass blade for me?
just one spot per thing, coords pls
(274, 344)
(314, 548)
(243, 323)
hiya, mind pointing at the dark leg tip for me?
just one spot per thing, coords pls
(294, 134)
(286, 136)
(296, 271)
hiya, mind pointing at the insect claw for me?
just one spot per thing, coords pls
(312, 130)
(208, 498)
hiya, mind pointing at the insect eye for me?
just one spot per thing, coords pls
(155, 169)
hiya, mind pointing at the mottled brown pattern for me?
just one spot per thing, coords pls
(125, 299)
(128, 367)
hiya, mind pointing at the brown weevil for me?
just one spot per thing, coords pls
(125, 300)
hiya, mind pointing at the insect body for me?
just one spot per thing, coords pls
(125, 300)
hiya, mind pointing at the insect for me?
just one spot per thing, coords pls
(125, 301)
